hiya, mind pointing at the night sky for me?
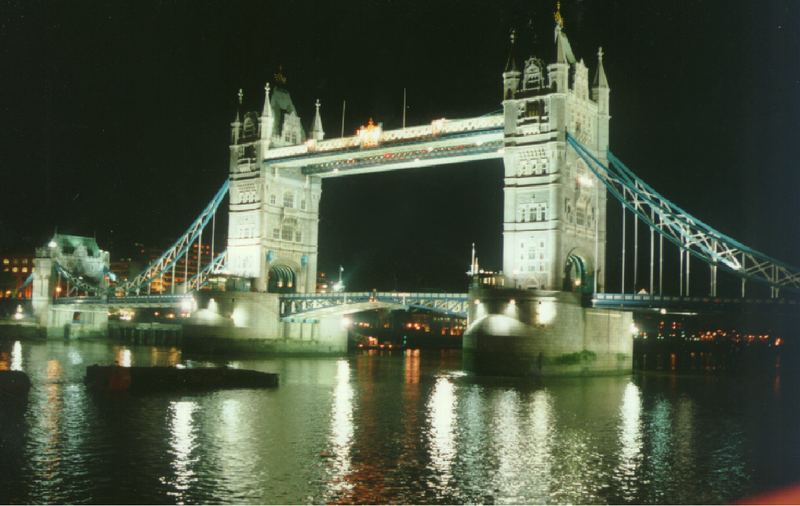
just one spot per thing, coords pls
(116, 115)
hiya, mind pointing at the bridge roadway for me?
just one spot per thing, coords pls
(313, 304)
(641, 302)
(309, 305)
(300, 304)
(129, 301)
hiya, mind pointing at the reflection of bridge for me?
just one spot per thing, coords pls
(553, 140)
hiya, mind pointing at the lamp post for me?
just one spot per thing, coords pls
(338, 286)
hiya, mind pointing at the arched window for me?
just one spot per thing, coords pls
(288, 199)
(288, 229)
(249, 127)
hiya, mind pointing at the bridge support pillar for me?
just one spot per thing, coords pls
(544, 333)
(73, 321)
(43, 289)
(250, 322)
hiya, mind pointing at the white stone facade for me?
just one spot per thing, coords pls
(274, 212)
(554, 208)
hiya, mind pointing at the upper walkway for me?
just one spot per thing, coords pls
(374, 150)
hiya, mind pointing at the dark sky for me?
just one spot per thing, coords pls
(116, 115)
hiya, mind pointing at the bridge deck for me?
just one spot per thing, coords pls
(631, 301)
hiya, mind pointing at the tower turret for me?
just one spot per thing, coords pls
(266, 121)
(236, 126)
(317, 133)
(559, 70)
(600, 89)
(511, 74)
(601, 93)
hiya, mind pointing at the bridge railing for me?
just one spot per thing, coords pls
(672, 302)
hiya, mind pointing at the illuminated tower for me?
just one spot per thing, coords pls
(555, 211)
(272, 231)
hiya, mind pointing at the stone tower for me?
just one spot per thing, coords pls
(554, 228)
(272, 230)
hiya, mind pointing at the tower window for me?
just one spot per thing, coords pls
(288, 199)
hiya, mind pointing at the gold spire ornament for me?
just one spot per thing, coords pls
(557, 15)
(280, 77)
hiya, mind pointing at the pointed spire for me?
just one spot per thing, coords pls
(561, 54)
(239, 97)
(511, 63)
(316, 129)
(267, 111)
(600, 80)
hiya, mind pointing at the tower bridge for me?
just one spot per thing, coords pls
(553, 138)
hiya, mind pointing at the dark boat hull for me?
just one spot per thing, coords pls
(153, 379)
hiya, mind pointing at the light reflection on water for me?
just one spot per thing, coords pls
(630, 441)
(341, 432)
(407, 428)
(441, 414)
(183, 442)
(16, 356)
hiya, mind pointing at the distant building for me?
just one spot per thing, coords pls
(129, 267)
(15, 271)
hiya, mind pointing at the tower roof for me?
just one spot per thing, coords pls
(316, 128)
(564, 52)
(267, 111)
(600, 80)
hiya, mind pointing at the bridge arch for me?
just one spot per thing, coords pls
(282, 278)
(578, 272)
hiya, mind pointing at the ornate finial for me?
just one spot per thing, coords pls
(240, 95)
(600, 54)
(317, 104)
(280, 78)
(266, 88)
(513, 35)
(557, 15)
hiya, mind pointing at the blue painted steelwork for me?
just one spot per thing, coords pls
(171, 256)
(684, 230)
(200, 279)
(24, 285)
(452, 304)
(76, 282)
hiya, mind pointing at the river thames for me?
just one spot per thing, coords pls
(407, 427)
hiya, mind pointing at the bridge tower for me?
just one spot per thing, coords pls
(273, 218)
(554, 226)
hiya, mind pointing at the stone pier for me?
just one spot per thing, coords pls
(249, 322)
(544, 333)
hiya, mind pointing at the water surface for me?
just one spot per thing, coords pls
(403, 428)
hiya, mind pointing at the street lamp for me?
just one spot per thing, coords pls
(339, 286)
